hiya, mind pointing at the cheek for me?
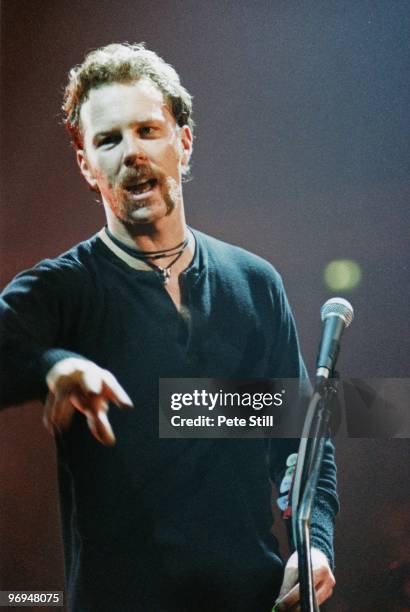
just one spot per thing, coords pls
(165, 152)
(108, 170)
(172, 156)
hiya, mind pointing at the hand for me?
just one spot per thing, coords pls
(323, 580)
(79, 384)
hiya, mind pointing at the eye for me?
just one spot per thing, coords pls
(146, 130)
(109, 140)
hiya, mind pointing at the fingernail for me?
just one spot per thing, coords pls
(125, 399)
(110, 442)
(121, 404)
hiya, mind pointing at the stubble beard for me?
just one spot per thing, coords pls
(134, 213)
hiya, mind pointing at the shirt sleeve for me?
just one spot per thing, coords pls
(286, 362)
(33, 312)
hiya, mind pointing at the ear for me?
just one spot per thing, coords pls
(86, 170)
(186, 144)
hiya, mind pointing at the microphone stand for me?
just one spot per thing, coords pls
(310, 455)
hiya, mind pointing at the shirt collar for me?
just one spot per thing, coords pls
(125, 253)
(122, 251)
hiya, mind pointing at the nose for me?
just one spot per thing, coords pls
(134, 153)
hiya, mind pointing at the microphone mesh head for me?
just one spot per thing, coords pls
(337, 306)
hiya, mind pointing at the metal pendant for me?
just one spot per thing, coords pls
(166, 275)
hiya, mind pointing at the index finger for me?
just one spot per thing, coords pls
(114, 391)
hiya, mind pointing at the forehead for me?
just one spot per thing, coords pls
(117, 104)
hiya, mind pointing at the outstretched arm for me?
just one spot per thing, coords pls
(37, 312)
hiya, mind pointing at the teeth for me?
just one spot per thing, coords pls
(144, 187)
(141, 187)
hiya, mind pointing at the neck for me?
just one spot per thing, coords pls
(163, 234)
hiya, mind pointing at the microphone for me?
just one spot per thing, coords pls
(336, 314)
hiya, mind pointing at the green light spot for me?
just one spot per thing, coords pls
(342, 275)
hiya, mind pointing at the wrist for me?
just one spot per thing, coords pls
(64, 367)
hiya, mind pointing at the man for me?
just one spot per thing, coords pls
(151, 524)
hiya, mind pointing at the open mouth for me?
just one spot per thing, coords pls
(142, 187)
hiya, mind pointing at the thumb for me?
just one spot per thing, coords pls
(290, 578)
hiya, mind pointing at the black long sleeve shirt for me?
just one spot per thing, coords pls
(154, 524)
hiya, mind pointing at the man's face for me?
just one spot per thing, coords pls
(134, 152)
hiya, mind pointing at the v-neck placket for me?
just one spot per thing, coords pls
(188, 279)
